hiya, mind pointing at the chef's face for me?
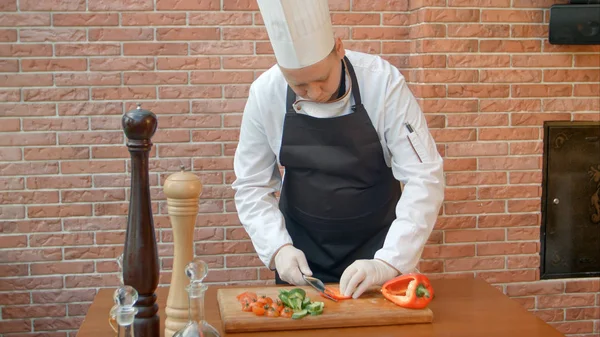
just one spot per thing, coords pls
(320, 81)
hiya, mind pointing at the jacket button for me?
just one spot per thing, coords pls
(298, 107)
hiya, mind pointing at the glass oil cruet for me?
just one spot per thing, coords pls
(196, 271)
(125, 298)
(112, 318)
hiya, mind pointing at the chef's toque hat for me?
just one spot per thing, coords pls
(300, 31)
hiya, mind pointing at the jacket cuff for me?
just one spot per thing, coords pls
(402, 263)
(389, 265)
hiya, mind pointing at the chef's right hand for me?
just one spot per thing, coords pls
(291, 264)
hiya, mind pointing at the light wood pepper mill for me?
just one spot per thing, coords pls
(182, 190)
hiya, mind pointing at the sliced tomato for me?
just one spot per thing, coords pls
(286, 312)
(247, 296)
(272, 312)
(277, 305)
(264, 300)
(259, 310)
(246, 302)
(246, 306)
(260, 303)
(334, 291)
(256, 304)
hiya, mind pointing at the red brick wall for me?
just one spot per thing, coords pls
(483, 70)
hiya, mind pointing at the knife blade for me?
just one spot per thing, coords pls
(318, 285)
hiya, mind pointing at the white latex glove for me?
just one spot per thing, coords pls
(291, 263)
(362, 274)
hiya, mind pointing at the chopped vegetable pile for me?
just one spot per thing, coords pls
(300, 303)
(289, 304)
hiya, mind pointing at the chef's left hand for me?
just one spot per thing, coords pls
(362, 274)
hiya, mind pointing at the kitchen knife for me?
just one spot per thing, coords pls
(318, 285)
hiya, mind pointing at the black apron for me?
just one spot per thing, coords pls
(338, 196)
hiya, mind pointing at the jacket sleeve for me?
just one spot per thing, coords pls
(416, 163)
(257, 181)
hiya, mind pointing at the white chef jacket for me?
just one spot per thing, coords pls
(413, 158)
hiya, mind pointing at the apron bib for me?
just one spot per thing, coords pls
(338, 196)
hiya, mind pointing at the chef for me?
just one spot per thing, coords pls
(362, 179)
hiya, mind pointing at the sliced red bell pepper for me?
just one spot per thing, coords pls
(412, 291)
(334, 291)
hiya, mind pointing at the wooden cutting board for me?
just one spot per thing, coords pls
(371, 309)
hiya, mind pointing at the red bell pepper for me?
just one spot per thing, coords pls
(412, 291)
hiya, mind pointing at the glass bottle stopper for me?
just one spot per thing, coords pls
(125, 297)
(196, 270)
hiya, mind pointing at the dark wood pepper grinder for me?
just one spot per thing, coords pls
(140, 255)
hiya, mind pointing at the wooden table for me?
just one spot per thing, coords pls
(462, 308)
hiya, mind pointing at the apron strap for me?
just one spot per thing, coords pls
(291, 97)
(355, 89)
